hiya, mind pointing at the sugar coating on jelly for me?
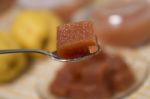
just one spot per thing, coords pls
(76, 39)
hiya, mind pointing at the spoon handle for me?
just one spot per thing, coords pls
(24, 51)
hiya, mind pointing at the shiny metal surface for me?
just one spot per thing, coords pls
(52, 55)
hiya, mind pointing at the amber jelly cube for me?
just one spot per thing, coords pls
(76, 40)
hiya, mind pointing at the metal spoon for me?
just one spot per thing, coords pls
(53, 55)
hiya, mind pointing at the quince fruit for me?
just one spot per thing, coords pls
(11, 65)
(36, 29)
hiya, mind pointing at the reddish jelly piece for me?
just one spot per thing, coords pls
(63, 81)
(121, 77)
(76, 39)
(98, 77)
(84, 91)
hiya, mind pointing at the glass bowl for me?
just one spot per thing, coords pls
(138, 65)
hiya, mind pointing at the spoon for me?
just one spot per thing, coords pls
(53, 55)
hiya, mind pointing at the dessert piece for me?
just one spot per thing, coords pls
(121, 76)
(99, 77)
(76, 40)
(119, 25)
(82, 80)
(85, 91)
(61, 84)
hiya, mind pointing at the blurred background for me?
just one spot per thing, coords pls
(122, 27)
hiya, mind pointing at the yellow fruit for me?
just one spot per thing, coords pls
(11, 65)
(36, 29)
(30, 29)
(54, 22)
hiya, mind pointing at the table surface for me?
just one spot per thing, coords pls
(25, 87)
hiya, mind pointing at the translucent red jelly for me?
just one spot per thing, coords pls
(75, 39)
(123, 22)
(99, 77)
